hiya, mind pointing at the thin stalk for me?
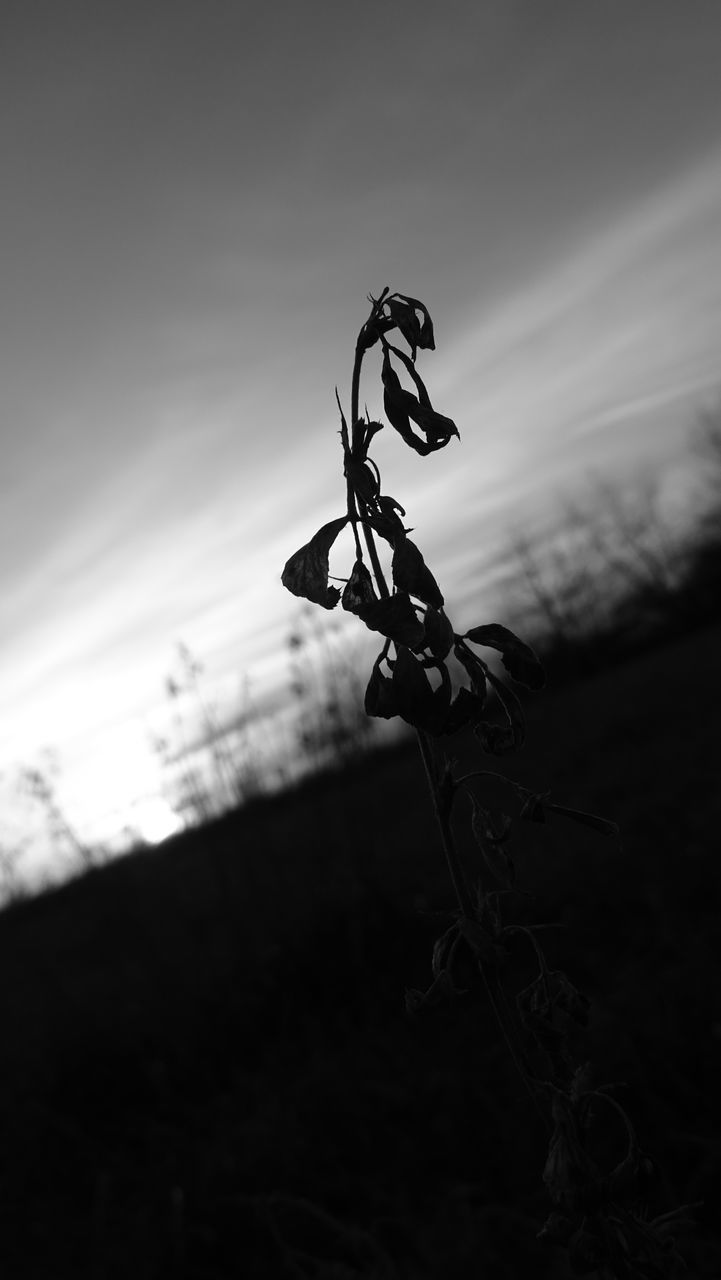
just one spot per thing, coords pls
(350, 495)
(375, 561)
(494, 990)
(458, 878)
(360, 351)
(493, 987)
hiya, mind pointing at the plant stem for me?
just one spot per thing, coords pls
(460, 884)
(360, 351)
(493, 986)
(441, 806)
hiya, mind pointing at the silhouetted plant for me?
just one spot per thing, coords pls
(40, 784)
(204, 776)
(617, 573)
(596, 1214)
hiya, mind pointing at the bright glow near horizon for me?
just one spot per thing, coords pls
(186, 259)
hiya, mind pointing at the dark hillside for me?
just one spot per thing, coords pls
(207, 1070)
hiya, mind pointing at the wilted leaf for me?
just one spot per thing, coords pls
(417, 333)
(475, 669)
(395, 404)
(423, 396)
(441, 702)
(363, 479)
(404, 317)
(438, 635)
(418, 702)
(380, 698)
(359, 591)
(384, 520)
(413, 689)
(395, 618)
(512, 708)
(373, 329)
(306, 572)
(425, 338)
(466, 709)
(411, 573)
(518, 658)
(401, 406)
(436, 427)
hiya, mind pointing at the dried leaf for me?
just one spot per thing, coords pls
(475, 669)
(512, 708)
(420, 385)
(418, 702)
(411, 573)
(436, 427)
(518, 658)
(426, 340)
(306, 572)
(359, 591)
(413, 689)
(395, 618)
(372, 330)
(401, 406)
(380, 697)
(385, 522)
(363, 479)
(438, 635)
(466, 709)
(441, 700)
(404, 318)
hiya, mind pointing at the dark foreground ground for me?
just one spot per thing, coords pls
(207, 1070)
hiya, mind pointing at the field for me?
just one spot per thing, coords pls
(207, 1068)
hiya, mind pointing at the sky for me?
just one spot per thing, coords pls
(198, 196)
